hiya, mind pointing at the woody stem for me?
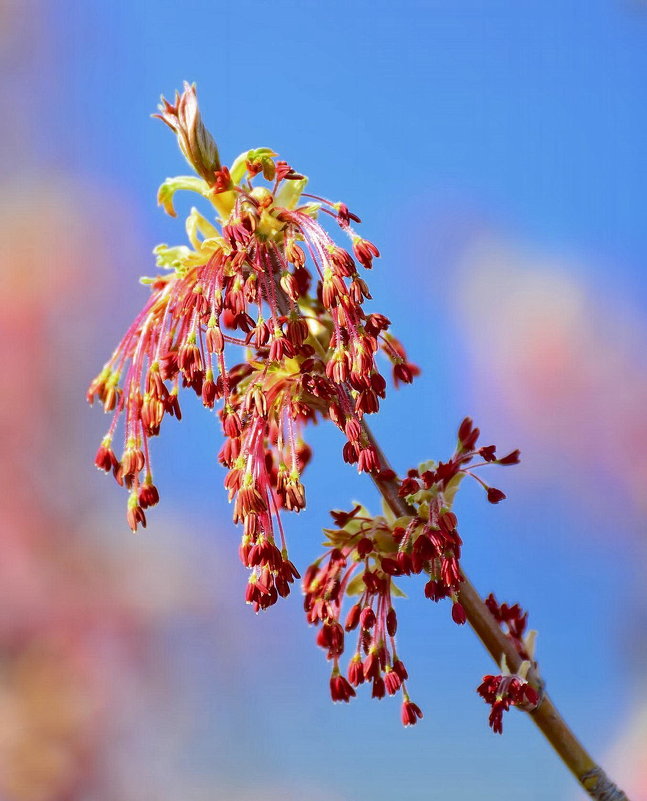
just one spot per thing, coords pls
(590, 776)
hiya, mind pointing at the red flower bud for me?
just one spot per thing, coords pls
(495, 495)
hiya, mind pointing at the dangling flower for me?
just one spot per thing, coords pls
(266, 277)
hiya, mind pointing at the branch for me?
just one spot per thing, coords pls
(590, 776)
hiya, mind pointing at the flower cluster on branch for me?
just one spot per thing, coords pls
(267, 278)
(365, 556)
(510, 689)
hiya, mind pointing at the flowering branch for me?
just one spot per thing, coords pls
(503, 650)
(309, 352)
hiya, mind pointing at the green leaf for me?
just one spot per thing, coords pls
(452, 488)
(167, 190)
(290, 192)
(356, 585)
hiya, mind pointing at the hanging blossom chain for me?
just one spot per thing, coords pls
(307, 347)
(366, 554)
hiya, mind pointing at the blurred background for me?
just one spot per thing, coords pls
(495, 152)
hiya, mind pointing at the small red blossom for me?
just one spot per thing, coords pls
(365, 252)
(502, 692)
(411, 713)
(458, 613)
(495, 495)
(513, 620)
(340, 688)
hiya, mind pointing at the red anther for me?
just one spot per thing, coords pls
(340, 689)
(392, 682)
(458, 613)
(447, 521)
(148, 495)
(222, 181)
(372, 665)
(400, 669)
(344, 216)
(356, 671)
(495, 495)
(349, 453)
(488, 452)
(404, 563)
(214, 340)
(409, 486)
(135, 517)
(342, 262)
(331, 637)
(390, 566)
(465, 429)
(402, 372)
(511, 458)
(364, 547)
(391, 622)
(378, 384)
(208, 393)
(365, 252)
(105, 459)
(367, 618)
(368, 460)
(280, 348)
(231, 424)
(410, 713)
(353, 429)
(375, 323)
(352, 619)
(341, 518)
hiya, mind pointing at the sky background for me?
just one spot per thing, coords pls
(495, 152)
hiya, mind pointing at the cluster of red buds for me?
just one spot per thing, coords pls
(267, 277)
(510, 689)
(366, 554)
(504, 691)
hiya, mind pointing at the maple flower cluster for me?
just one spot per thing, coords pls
(266, 277)
(365, 556)
(510, 689)
(262, 316)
